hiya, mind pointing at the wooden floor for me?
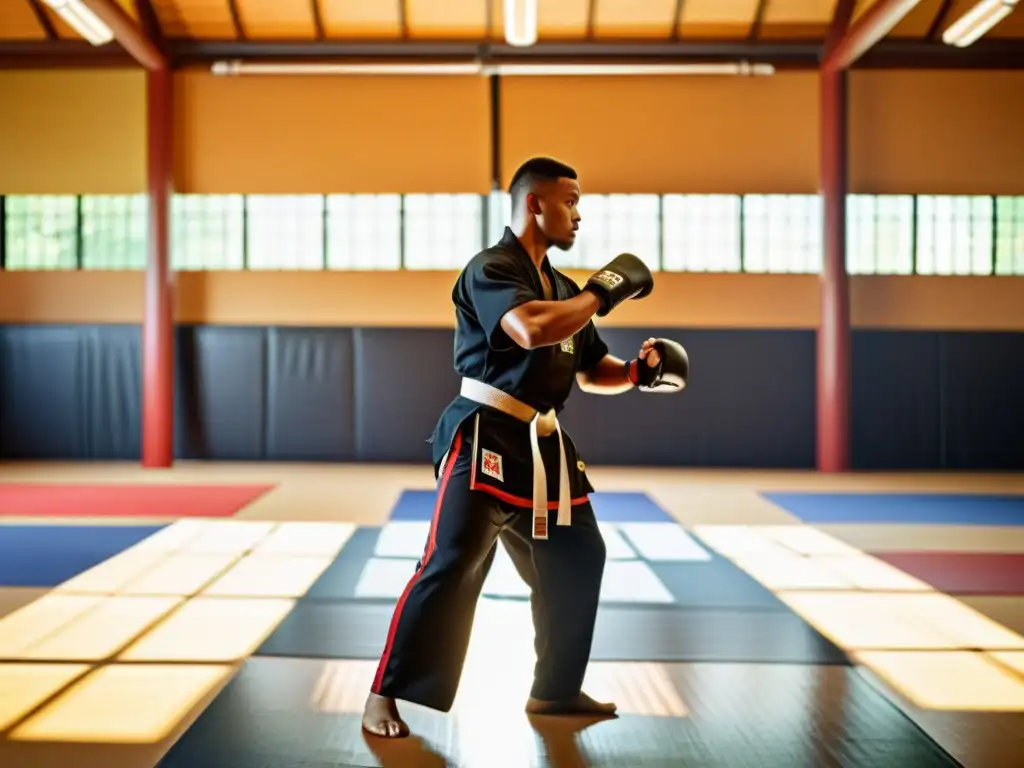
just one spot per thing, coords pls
(196, 696)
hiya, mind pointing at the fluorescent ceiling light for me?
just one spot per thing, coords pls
(521, 22)
(80, 18)
(741, 68)
(246, 68)
(977, 21)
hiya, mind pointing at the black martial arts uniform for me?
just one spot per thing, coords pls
(484, 467)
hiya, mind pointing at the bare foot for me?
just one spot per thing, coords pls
(381, 718)
(580, 705)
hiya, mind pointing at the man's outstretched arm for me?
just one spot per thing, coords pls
(543, 323)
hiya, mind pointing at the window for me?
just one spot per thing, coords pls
(880, 234)
(954, 235)
(1010, 235)
(499, 215)
(207, 232)
(364, 231)
(114, 231)
(782, 233)
(41, 232)
(701, 233)
(285, 232)
(613, 224)
(442, 231)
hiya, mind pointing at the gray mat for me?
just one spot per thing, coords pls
(357, 630)
(738, 717)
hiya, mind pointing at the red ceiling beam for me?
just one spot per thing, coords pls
(877, 22)
(129, 34)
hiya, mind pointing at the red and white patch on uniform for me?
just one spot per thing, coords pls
(491, 465)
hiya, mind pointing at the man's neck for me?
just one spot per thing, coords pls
(533, 241)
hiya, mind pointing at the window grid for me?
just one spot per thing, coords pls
(207, 232)
(782, 233)
(954, 235)
(702, 233)
(1009, 236)
(614, 224)
(441, 231)
(364, 232)
(114, 231)
(41, 232)
(880, 234)
(285, 232)
(886, 234)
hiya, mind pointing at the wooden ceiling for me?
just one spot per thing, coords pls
(250, 28)
(467, 20)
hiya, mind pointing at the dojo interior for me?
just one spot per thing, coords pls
(229, 231)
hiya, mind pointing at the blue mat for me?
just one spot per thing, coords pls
(922, 508)
(610, 507)
(47, 555)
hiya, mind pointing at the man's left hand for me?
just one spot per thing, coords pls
(661, 366)
(650, 353)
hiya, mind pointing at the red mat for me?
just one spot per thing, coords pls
(963, 573)
(121, 500)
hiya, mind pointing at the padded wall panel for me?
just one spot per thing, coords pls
(403, 380)
(983, 402)
(221, 392)
(921, 400)
(749, 403)
(896, 400)
(310, 394)
(113, 391)
(43, 411)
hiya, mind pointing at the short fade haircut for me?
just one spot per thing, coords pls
(537, 169)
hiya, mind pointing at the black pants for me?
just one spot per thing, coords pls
(429, 633)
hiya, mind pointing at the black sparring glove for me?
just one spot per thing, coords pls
(625, 277)
(669, 375)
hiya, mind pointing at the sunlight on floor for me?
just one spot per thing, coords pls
(205, 592)
(925, 644)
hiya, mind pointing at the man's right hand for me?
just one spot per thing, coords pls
(625, 277)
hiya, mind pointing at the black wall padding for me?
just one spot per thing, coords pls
(920, 400)
(896, 406)
(70, 392)
(404, 379)
(983, 401)
(749, 403)
(310, 395)
(222, 388)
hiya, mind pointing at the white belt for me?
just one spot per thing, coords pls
(541, 425)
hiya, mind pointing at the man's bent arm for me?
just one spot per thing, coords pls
(543, 323)
(608, 377)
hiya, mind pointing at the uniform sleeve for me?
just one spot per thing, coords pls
(592, 347)
(496, 285)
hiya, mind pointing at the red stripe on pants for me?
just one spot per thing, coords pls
(453, 455)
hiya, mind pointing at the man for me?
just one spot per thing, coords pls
(524, 334)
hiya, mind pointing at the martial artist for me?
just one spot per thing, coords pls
(524, 335)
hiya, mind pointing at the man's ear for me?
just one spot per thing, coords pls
(533, 204)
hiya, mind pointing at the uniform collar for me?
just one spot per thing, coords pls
(510, 241)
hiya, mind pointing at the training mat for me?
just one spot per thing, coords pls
(963, 573)
(300, 713)
(648, 563)
(940, 509)
(609, 506)
(48, 555)
(358, 629)
(126, 500)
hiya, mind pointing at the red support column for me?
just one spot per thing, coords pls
(834, 332)
(158, 323)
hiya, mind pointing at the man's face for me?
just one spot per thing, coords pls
(557, 210)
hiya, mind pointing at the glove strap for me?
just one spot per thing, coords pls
(631, 371)
(641, 374)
